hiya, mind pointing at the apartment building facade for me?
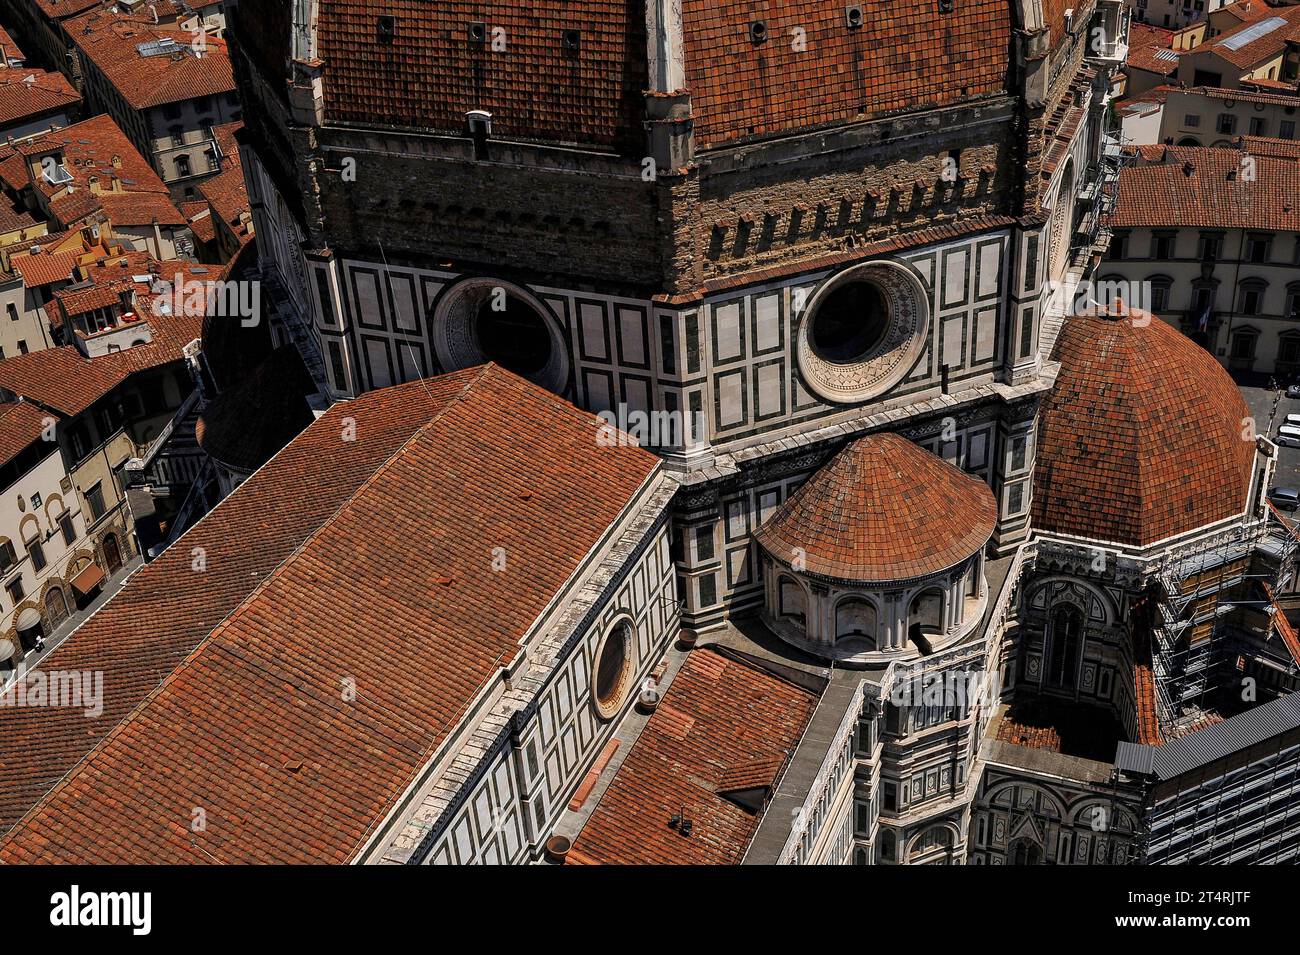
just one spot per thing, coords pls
(1221, 269)
(166, 87)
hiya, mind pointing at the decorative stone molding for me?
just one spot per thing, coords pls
(455, 338)
(892, 358)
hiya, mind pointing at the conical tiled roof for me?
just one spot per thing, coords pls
(883, 509)
(1142, 438)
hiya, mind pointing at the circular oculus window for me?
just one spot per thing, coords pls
(862, 332)
(483, 319)
(612, 675)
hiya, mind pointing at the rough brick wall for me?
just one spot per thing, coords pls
(771, 211)
(545, 222)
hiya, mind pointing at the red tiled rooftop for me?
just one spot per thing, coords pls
(1270, 37)
(30, 93)
(724, 725)
(111, 42)
(21, 424)
(1144, 42)
(1201, 186)
(226, 684)
(43, 268)
(9, 49)
(64, 380)
(430, 74)
(1033, 737)
(1140, 439)
(905, 56)
(882, 509)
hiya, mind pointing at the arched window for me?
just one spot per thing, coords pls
(1063, 638)
(1025, 852)
(925, 618)
(855, 618)
(933, 838)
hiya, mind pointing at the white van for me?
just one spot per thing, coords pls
(1288, 436)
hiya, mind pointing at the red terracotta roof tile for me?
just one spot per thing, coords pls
(44, 268)
(66, 381)
(430, 75)
(906, 56)
(21, 424)
(1033, 737)
(1253, 42)
(31, 93)
(9, 49)
(227, 682)
(112, 41)
(742, 727)
(1128, 451)
(882, 509)
(812, 69)
(1151, 49)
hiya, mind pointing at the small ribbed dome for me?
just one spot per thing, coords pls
(883, 509)
(1142, 438)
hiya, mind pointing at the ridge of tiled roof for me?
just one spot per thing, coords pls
(89, 148)
(137, 641)
(57, 10)
(1139, 439)
(231, 678)
(1247, 96)
(882, 509)
(45, 268)
(723, 724)
(1248, 11)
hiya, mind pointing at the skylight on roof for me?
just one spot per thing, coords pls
(164, 46)
(1166, 55)
(1253, 33)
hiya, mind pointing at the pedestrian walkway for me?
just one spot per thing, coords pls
(78, 617)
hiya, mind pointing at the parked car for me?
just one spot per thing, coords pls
(1288, 436)
(1293, 420)
(1285, 498)
(1293, 391)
